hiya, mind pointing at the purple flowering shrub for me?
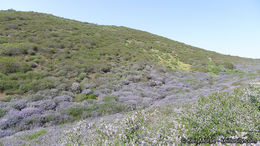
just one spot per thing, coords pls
(157, 126)
(219, 115)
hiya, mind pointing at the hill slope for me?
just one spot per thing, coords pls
(34, 46)
(55, 71)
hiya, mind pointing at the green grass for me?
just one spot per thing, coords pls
(36, 134)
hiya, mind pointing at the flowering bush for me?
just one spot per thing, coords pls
(73, 137)
(137, 128)
(224, 115)
(220, 115)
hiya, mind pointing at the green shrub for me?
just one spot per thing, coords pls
(216, 69)
(19, 83)
(16, 49)
(237, 83)
(35, 59)
(2, 76)
(2, 41)
(12, 65)
(81, 76)
(223, 115)
(200, 69)
(12, 26)
(109, 99)
(9, 17)
(229, 65)
(105, 69)
(110, 107)
(8, 86)
(76, 111)
(82, 97)
(36, 134)
(37, 84)
(229, 68)
(234, 71)
(2, 113)
(45, 83)
(6, 99)
(133, 128)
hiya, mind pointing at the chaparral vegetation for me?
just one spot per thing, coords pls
(65, 82)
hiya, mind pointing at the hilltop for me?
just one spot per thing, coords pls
(57, 71)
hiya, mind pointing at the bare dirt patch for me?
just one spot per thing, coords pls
(2, 95)
(92, 76)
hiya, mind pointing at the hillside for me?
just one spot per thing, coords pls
(40, 45)
(55, 71)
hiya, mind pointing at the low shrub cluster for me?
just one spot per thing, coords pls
(2, 113)
(216, 68)
(82, 97)
(13, 65)
(16, 49)
(76, 111)
(5, 99)
(36, 134)
(20, 83)
(229, 65)
(92, 109)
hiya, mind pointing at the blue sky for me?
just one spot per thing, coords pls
(225, 26)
